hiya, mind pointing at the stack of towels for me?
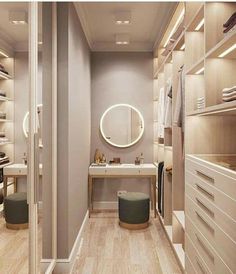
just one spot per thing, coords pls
(230, 24)
(229, 94)
(200, 102)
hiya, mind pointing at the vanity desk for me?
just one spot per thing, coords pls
(123, 171)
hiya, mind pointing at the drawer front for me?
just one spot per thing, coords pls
(206, 203)
(219, 240)
(208, 258)
(196, 264)
(212, 177)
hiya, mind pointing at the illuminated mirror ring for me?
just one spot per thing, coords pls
(140, 128)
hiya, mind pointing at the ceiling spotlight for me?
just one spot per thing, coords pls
(122, 39)
(123, 18)
(18, 17)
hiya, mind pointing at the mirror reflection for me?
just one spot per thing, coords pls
(122, 125)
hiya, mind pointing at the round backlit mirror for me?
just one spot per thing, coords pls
(39, 123)
(122, 125)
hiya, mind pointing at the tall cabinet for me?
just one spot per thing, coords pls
(200, 196)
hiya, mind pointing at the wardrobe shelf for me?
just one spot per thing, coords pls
(179, 42)
(196, 67)
(7, 164)
(3, 98)
(169, 232)
(196, 19)
(228, 108)
(155, 121)
(161, 145)
(179, 251)
(6, 143)
(4, 76)
(180, 216)
(155, 143)
(228, 41)
(5, 121)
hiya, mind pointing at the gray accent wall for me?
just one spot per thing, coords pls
(74, 126)
(122, 78)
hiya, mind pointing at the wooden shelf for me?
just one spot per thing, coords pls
(180, 254)
(180, 216)
(196, 67)
(168, 148)
(5, 121)
(161, 145)
(228, 108)
(169, 232)
(5, 143)
(3, 98)
(4, 76)
(224, 44)
(196, 19)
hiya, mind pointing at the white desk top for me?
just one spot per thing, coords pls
(123, 169)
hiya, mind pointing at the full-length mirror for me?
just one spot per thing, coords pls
(122, 125)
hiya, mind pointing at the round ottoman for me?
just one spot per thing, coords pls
(16, 211)
(134, 210)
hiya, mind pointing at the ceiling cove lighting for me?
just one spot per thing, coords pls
(175, 26)
(3, 54)
(201, 23)
(200, 70)
(123, 18)
(18, 17)
(122, 39)
(183, 47)
(224, 53)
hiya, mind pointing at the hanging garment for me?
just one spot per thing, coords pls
(160, 179)
(180, 107)
(168, 107)
(162, 193)
(161, 113)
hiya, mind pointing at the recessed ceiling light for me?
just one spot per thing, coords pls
(201, 23)
(224, 53)
(123, 17)
(18, 17)
(122, 39)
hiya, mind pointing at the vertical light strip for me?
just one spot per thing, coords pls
(31, 187)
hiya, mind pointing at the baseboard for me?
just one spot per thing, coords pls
(65, 266)
(105, 205)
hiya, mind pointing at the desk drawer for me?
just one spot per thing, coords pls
(203, 255)
(208, 174)
(206, 203)
(219, 240)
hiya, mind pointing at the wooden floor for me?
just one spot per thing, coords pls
(109, 249)
(14, 249)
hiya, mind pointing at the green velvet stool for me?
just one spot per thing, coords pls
(134, 210)
(16, 211)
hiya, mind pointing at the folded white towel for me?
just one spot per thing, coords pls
(233, 98)
(228, 94)
(228, 90)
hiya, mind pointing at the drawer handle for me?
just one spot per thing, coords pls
(202, 268)
(204, 176)
(203, 206)
(205, 192)
(205, 222)
(205, 248)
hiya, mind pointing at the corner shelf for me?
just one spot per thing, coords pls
(3, 98)
(180, 254)
(196, 18)
(195, 67)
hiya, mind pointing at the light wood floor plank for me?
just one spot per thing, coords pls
(109, 249)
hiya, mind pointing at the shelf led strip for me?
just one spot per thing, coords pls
(200, 70)
(3, 54)
(198, 27)
(224, 53)
(175, 26)
(183, 47)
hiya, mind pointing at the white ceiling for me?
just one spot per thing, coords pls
(148, 22)
(15, 36)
